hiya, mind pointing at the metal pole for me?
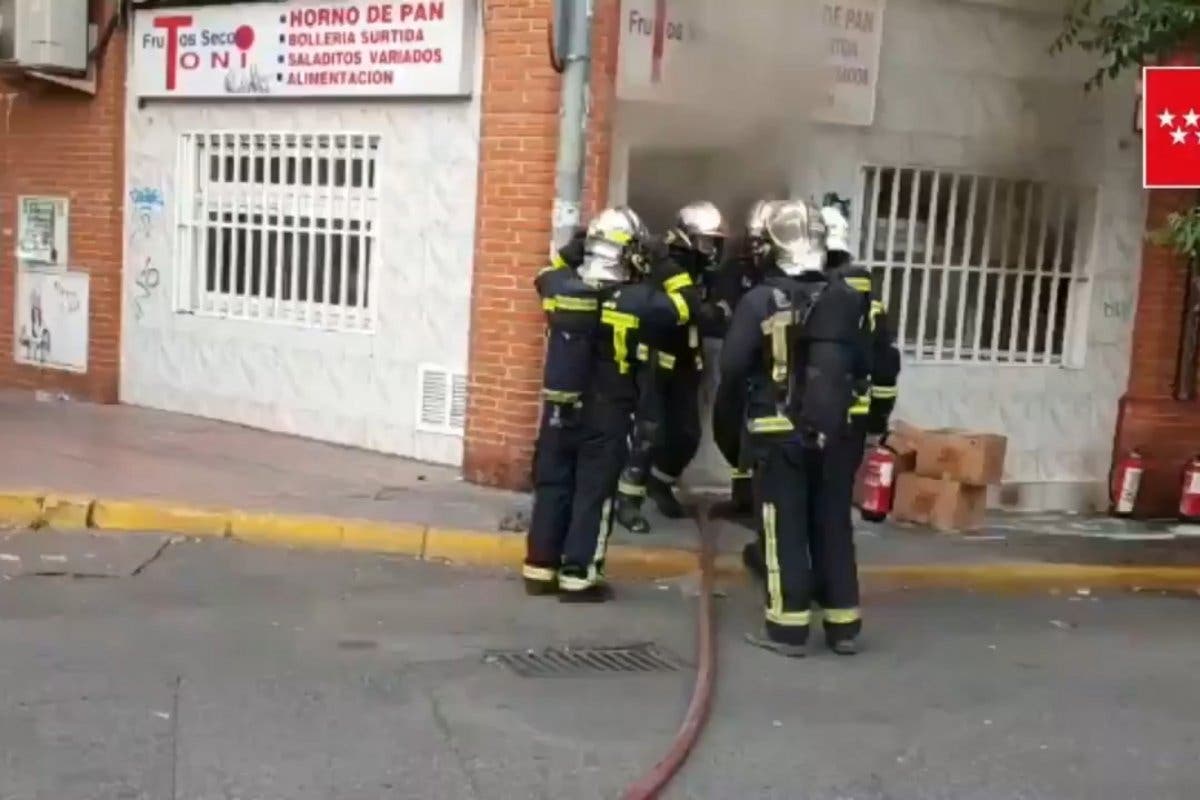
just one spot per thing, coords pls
(572, 123)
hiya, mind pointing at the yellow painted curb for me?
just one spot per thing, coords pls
(20, 509)
(1015, 576)
(65, 511)
(287, 531)
(123, 515)
(474, 547)
(381, 537)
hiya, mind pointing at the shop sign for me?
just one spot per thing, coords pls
(294, 49)
(674, 62)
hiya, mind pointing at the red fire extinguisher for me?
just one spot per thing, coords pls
(1126, 480)
(1189, 495)
(879, 480)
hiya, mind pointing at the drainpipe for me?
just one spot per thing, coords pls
(572, 124)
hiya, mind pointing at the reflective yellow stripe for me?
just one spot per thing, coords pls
(841, 616)
(666, 361)
(555, 396)
(859, 284)
(557, 261)
(681, 307)
(631, 489)
(568, 303)
(643, 353)
(884, 392)
(789, 619)
(548, 304)
(775, 612)
(771, 425)
(877, 309)
(618, 237)
(740, 474)
(861, 406)
(677, 282)
(621, 323)
(543, 574)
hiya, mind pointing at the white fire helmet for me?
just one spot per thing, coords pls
(837, 229)
(797, 235)
(756, 220)
(607, 249)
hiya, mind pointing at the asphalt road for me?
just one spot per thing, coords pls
(223, 672)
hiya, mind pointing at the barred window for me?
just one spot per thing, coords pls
(279, 227)
(976, 268)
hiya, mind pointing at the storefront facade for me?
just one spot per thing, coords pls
(300, 234)
(1000, 207)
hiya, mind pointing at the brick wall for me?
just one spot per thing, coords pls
(58, 141)
(518, 143)
(1166, 431)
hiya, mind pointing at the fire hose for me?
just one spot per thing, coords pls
(657, 778)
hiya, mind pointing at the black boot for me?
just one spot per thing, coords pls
(663, 495)
(844, 646)
(629, 514)
(762, 640)
(571, 588)
(540, 588)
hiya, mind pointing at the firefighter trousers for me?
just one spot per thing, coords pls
(667, 431)
(804, 496)
(578, 460)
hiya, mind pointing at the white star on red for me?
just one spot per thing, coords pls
(1166, 119)
(1178, 136)
(1191, 118)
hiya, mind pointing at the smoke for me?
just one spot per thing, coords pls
(733, 112)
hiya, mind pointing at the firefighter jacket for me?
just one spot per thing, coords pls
(873, 408)
(795, 345)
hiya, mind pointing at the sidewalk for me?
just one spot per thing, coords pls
(70, 464)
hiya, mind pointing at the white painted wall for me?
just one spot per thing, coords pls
(349, 388)
(968, 84)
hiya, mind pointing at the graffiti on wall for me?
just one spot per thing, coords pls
(52, 320)
(146, 205)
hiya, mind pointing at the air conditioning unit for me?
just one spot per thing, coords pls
(46, 35)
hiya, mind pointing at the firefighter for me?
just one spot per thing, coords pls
(741, 273)
(624, 289)
(667, 430)
(872, 409)
(795, 345)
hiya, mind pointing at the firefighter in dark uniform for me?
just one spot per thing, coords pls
(796, 344)
(624, 289)
(667, 429)
(872, 409)
(737, 276)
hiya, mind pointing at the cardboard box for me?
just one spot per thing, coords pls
(976, 459)
(905, 441)
(943, 505)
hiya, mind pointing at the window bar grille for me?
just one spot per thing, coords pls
(260, 170)
(874, 174)
(370, 275)
(309, 237)
(278, 212)
(1044, 196)
(1061, 276)
(1010, 213)
(292, 228)
(340, 301)
(326, 249)
(893, 215)
(927, 268)
(1019, 272)
(366, 259)
(988, 272)
(236, 295)
(906, 285)
(219, 227)
(947, 261)
(967, 267)
(183, 217)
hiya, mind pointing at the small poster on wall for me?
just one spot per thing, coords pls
(51, 325)
(42, 233)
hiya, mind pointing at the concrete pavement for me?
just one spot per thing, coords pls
(222, 670)
(75, 465)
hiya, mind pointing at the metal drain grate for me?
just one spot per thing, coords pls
(569, 661)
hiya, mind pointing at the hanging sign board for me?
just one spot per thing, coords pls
(302, 49)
